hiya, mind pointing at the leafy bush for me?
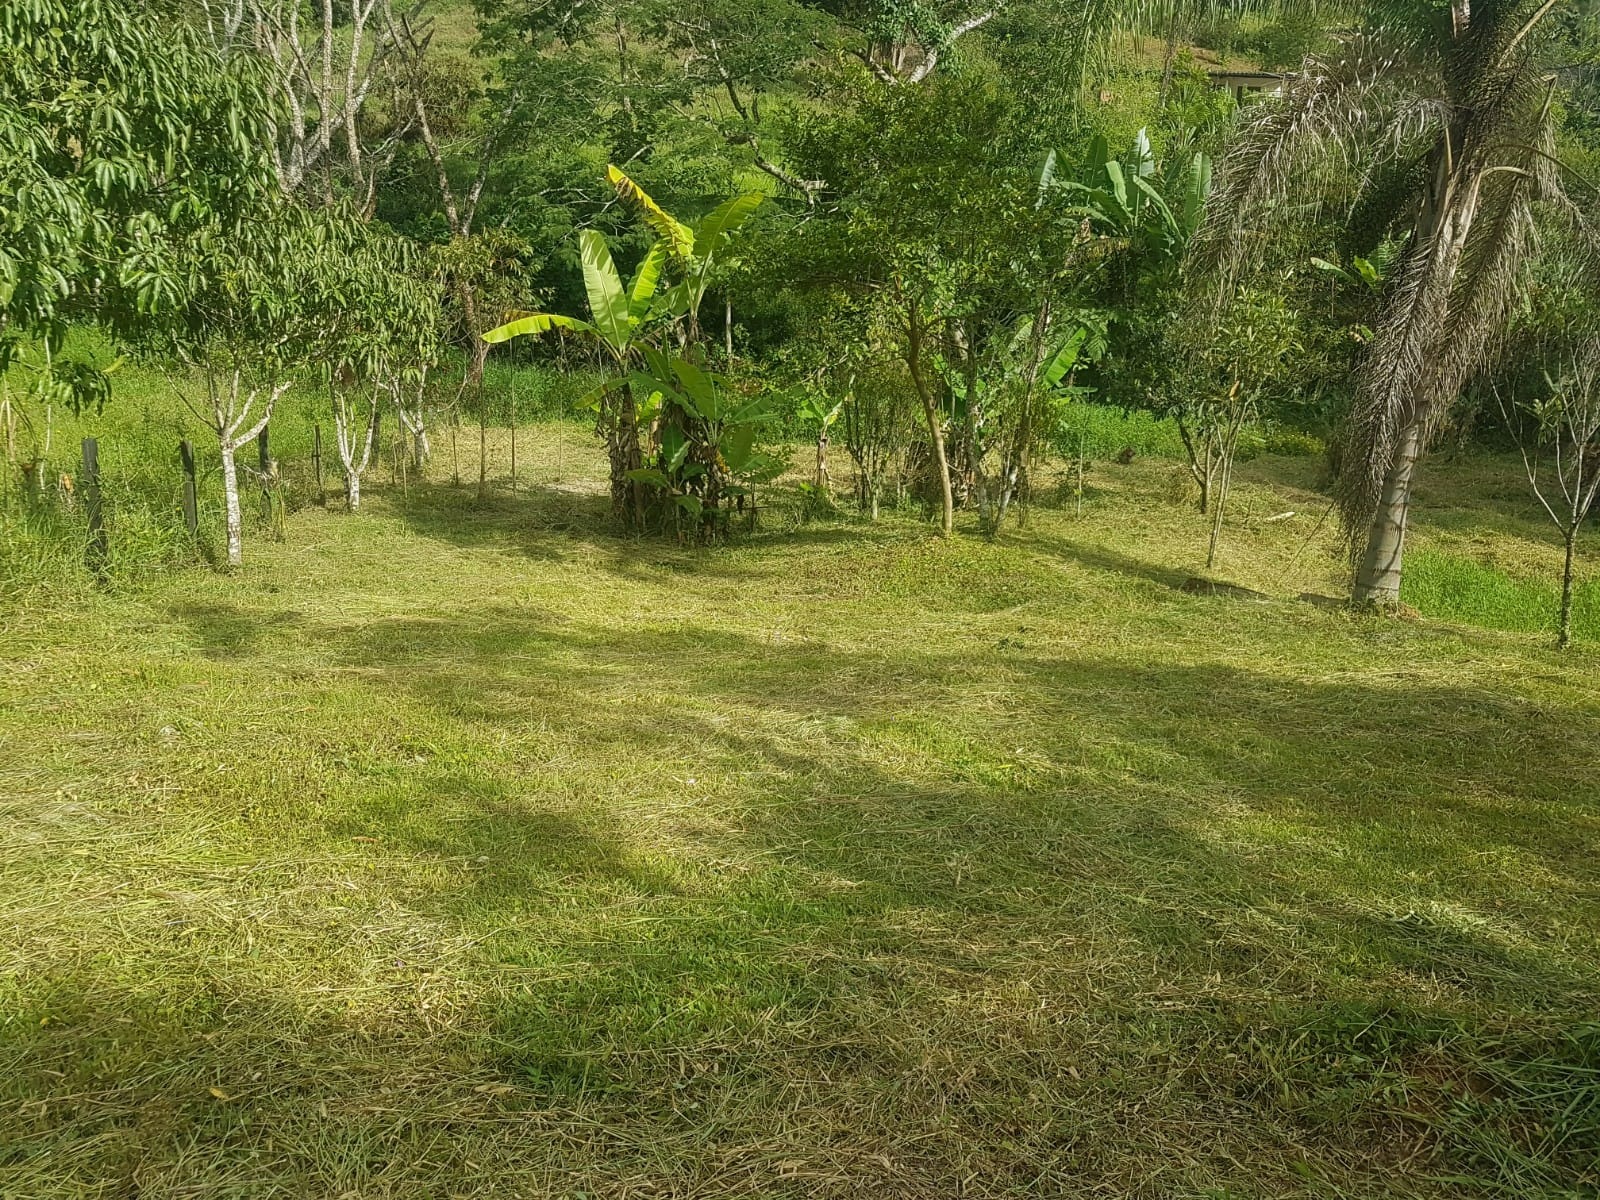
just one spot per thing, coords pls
(1285, 43)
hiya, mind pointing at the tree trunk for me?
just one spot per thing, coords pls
(344, 433)
(1564, 637)
(1199, 463)
(1378, 576)
(930, 410)
(1169, 60)
(483, 448)
(1225, 474)
(230, 490)
(631, 457)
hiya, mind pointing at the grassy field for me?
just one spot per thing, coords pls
(460, 849)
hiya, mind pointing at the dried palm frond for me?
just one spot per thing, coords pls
(1451, 304)
(1340, 117)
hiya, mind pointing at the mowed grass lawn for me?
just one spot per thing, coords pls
(468, 850)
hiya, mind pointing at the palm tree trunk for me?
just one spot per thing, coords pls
(1378, 576)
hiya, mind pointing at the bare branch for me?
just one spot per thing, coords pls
(931, 58)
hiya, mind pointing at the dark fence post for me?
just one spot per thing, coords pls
(191, 507)
(316, 461)
(264, 467)
(99, 548)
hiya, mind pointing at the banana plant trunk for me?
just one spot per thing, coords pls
(627, 495)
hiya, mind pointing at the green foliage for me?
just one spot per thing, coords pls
(1104, 433)
(700, 453)
(105, 186)
(1292, 443)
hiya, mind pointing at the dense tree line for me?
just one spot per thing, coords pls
(925, 229)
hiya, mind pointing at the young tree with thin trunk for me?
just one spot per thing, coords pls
(1448, 110)
(356, 435)
(258, 300)
(239, 411)
(1559, 437)
(383, 334)
(1252, 345)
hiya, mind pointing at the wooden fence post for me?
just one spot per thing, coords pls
(316, 461)
(264, 467)
(99, 548)
(191, 506)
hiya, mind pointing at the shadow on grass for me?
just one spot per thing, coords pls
(1099, 558)
(545, 522)
(1113, 929)
(1217, 817)
(225, 631)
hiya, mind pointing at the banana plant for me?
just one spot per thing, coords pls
(1368, 274)
(696, 249)
(696, 447)
(1082, 338)
(819, 415)
(706, 449)
(620, 324)
(1120, 198)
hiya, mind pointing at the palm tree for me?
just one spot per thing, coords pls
(1443, 111)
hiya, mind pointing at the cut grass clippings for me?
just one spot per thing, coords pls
(467, 849)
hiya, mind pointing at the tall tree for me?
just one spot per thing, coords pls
(1445, 107)
(329, 58)
(101, 186)
(933, 218)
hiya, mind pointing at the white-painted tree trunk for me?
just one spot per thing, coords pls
(344, 434)
(230, 413)
(230, 489)
(414, 422)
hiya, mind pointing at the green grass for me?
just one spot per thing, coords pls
(1456, 588)
(460, 849)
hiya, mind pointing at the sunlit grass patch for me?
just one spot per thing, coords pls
(1453, 587)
